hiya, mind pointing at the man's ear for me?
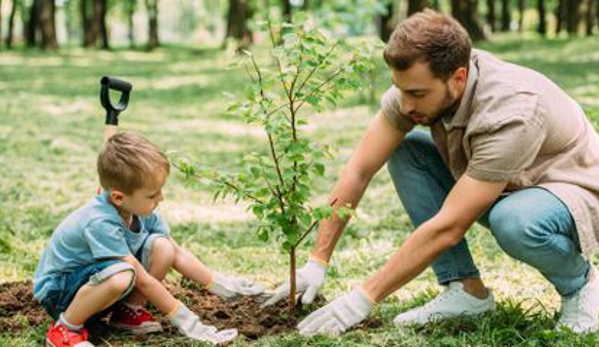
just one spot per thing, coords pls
(117, 197)
(460, 77)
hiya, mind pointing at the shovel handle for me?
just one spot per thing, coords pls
(112, 111)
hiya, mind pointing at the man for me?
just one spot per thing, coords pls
(506, 147)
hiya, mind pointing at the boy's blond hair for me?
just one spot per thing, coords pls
(128, 161)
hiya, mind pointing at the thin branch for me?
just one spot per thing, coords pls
(222, 181)
(317, 66)
(313, 91)
(274, 190)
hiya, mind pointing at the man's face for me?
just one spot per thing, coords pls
(424, 97)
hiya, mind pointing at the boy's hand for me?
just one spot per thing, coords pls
(231, 288)
(189, 325)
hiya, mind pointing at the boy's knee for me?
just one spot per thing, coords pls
(164, 249)
(122, 281)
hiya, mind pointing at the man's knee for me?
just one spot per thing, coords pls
(407, 152)
(515, 231)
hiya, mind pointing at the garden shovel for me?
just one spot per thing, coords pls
(112, 112)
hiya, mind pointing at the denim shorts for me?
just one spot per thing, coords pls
(64, 287)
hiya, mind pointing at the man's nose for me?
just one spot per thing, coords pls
(406, 105)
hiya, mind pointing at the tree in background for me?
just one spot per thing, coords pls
(542, 26)
(491, 15)
(93, 23)
(506, 15)
(239, 14)
(10, 36)
(129, 7)
(385, 21)
(152, 9)
(466, 12)
(46, 24)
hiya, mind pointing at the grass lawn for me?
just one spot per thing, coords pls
(51, 126)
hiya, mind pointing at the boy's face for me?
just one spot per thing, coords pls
(142, 201)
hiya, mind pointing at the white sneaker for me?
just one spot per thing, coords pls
(580, 312)
(453, 302)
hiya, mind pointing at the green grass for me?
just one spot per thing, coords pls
(51, 129)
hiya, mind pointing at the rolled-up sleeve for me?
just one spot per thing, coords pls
(391, 110)
(509, 147)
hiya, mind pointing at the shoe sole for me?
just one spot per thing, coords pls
(148, 329)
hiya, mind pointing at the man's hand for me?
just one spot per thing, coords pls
(189, 325)
(309, 279)
(231, 288)
(339, 315)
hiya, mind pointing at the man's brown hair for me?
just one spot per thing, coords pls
(432, 37)
(128, 161)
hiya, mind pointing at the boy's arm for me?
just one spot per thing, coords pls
(227, 287)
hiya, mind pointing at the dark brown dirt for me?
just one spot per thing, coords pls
(18, 310)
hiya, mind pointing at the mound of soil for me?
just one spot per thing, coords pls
(18, 310)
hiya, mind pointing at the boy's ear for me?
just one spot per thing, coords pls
(117, 197)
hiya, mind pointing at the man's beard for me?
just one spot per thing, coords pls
(449, 105)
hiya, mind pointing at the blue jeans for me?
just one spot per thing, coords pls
(531, 225)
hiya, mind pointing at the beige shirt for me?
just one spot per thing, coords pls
(514, 124)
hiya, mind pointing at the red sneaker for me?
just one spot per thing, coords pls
(138, 321)
(60, 336)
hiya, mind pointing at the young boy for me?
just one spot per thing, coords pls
(114, 251)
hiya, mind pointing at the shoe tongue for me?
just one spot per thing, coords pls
(456, 285)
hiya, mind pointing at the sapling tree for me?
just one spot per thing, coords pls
(305, 70)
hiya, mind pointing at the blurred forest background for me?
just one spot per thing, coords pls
(147, 24)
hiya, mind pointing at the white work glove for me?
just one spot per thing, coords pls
(337, 316)
(230, 288)
(189, 325)
(308, 281)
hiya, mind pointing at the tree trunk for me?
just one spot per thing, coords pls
(385, 23)
(237, 26)
(11, 24)
(0, 22)
(589, 17)
(152, 8)
(130, 8)
(32, 24)
(292, 284)
(491, 17)
(46, 24)
(416, 6)
(466, 12)
(542, 27)
(287, 15)
(90, 32)
(99, 18)
(506, 15)
(521, 9)
(572, 16)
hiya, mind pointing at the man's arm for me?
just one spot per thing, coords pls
(373, 150)
(465, 203)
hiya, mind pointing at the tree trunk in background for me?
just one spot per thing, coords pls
(385, 23)
(491, 17)
(130, 6)
(466, 12)
(416, 6)
(521, 9)
(590, 20)
(542, 27)
(0, 22)
(152, 8)
(31, 32)
(90, 32)
(10, 36)
(287, 15)
(506, 15)
(99, 19)
(46, 25)
(237, 23)
(572, 16)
